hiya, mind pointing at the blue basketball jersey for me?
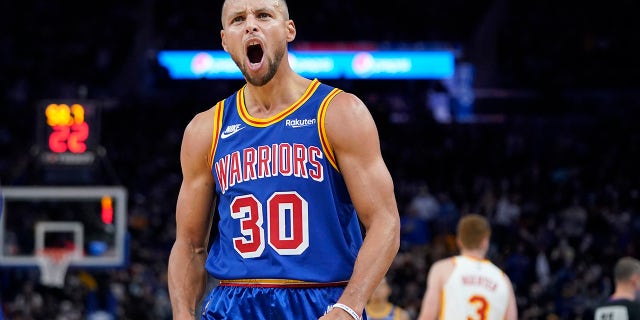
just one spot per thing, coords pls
(285, 212)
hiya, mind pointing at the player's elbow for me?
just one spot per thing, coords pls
(190, 245)
(392, 231)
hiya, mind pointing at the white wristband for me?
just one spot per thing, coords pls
(346, 308)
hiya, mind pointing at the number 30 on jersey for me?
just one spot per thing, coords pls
(287, 225)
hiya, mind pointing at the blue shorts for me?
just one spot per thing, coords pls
(268, 303)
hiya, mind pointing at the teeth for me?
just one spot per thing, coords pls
(253, 43)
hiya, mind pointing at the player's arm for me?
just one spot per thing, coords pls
(186, 274)
(430, 308)
(512, 307)
(354, 137)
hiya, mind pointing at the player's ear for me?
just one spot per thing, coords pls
(291, 30)
(223, 39)
(635, 279)
(485, 243)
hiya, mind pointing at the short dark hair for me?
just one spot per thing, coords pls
(625, 268)
(285, 6)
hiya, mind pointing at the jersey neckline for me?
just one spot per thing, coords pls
(263, 122)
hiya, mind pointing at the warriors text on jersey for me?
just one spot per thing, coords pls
(476, 289)
(282, 201)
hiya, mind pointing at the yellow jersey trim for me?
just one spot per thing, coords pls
(217, 124)
(322, 130)
(278, 283)
(258, 122)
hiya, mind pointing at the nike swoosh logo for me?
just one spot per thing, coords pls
(226, 134)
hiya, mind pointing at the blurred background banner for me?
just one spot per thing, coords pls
(321, 64)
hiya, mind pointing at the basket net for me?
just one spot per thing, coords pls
(53, 264)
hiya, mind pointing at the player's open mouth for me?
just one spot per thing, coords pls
(254, 52)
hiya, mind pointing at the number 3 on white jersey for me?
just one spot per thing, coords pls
(481, 307)
(285, 238)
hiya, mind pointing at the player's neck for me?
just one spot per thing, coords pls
(474, 254)
(278, 94)
(624, 292)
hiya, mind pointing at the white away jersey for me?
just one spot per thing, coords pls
(476, 289)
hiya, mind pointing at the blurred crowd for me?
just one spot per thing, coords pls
(557, 172)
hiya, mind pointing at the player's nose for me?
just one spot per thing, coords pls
(251, 24)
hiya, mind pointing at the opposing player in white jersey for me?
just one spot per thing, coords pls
(469, 286)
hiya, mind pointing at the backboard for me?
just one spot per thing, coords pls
(89, 220)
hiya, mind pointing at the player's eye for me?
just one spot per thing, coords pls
(263, 16)
(237, 19)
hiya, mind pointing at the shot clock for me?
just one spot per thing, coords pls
(68, 132)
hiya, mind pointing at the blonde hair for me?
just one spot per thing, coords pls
(472, 230)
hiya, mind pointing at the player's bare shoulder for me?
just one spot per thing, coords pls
(202, 122)
(443, 267)
(348, 121)
(347, 106)
(197, 137)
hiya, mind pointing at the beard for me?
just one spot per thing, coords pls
(272, 68)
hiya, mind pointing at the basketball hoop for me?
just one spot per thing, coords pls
(53, 264)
